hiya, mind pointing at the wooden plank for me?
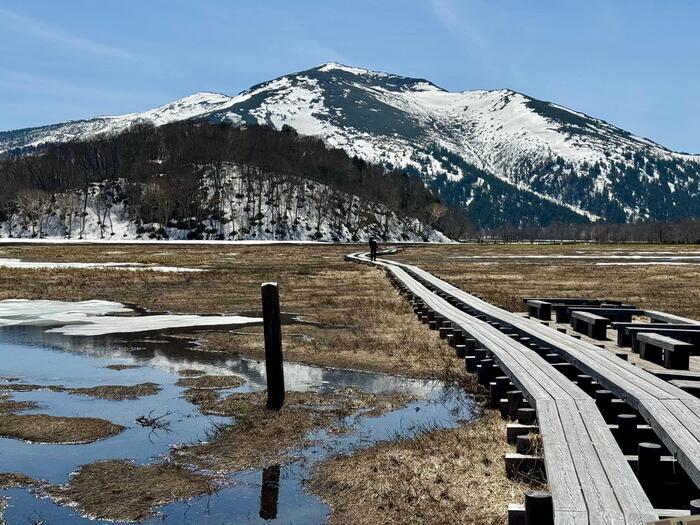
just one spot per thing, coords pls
(587, 316)
(567, 496)
(669, 318)
(571, 345)
(633, 501)
(509, 352)
(603, 506)
(662, 340)
(663, 417)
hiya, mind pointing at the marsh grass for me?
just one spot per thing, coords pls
(439, 476)
(190, 372)
(111, 392)
(211, 382)
(9, 405)
(43, 428)
(118, 392)
(260, 437)
(123, 491)
(505, 282)
(360, 321)
(10, 480)
(119, 367)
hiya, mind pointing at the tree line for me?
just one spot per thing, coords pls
(686, 231)
(179, 173)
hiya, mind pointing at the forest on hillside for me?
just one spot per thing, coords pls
(181, 174)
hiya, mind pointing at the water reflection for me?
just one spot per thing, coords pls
(275, 494)
(269, 492)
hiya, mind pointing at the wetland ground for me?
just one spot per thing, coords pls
(351, 318)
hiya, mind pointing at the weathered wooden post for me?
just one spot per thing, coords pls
(538, 508)
(274, 367)
(515, 400)
(627, 432)
(649, 467)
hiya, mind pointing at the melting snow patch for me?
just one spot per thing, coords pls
(90, 318)
(80, 324)
(644, 263)
(33, 265)
(583, 257)
(41, 313)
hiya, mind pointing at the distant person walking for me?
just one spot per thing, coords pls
(373, 249)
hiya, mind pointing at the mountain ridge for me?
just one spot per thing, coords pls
(463, 145)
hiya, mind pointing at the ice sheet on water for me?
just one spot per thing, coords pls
(80, 324)
(91, 318)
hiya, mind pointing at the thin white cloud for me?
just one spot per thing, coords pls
(462, 29)
(11, 79)
(14, 21)
(455, 23)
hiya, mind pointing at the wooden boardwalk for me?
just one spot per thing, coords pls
(590, 479)
(673, 414)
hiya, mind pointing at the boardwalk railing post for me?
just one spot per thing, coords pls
(538, 508)
(649, 467)
(274, 367)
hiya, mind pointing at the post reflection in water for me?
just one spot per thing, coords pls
(33, 356)
(269, 492)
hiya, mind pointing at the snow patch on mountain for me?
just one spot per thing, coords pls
(183, 109)
(335, 66)
(564, 156)
(279, 209)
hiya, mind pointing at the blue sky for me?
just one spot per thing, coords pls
(634, 63)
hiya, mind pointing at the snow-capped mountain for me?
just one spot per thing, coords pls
(186, 108)
(502, 155)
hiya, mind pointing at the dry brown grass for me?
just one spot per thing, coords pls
(112, 392)
(446, 476)
(190, 372)
(506, 282)
(28, 387)
(121, 490)
(119, 368)
(42, 428)
(9, 405)
(9, 480)
(364, 322)
(118, 392)
(211, 382)
(260, 437)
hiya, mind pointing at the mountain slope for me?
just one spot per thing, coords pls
(200, 180)
(186, 108)
(503, 156)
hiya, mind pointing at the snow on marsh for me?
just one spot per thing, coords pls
(632, 257)
(134, 267)
(92, 318)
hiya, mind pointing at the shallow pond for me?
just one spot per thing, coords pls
(275, 495)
